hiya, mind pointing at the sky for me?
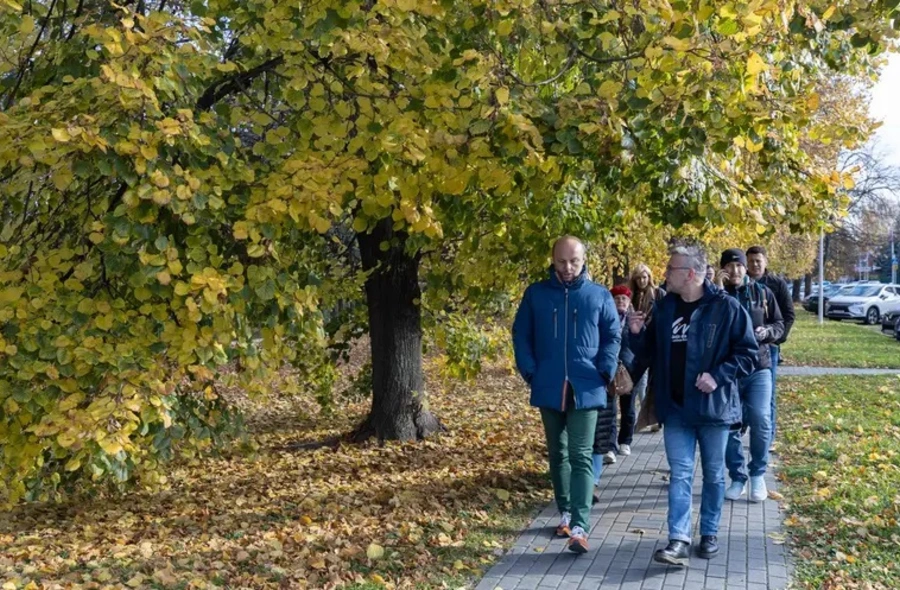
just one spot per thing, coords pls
(885, 107)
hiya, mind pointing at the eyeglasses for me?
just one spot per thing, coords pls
(671, 268)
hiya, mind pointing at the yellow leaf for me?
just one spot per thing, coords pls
(110, 447)
(66, 439)
(459, 565)
(829, 13)
(27, 26)
(318, 564)
(136, 581)
(813, 101)
(502, 95)
(240, 230)
(375, 551)
(755, 64)
(147, 549)
(164, 277)
(60, 135)
(360, 225)
(149, 152)
(609, 89)
(676, 43)
(377, 579)
(159, 179)
(503, 495)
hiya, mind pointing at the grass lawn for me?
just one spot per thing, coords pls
(840, 463)
(288, 515)
(839, 344)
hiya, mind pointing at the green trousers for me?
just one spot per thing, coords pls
(570, 438)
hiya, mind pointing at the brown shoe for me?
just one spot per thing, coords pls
(578, 541)
(562, 529)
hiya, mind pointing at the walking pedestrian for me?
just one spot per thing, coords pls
(566, 337)
(644, 296)
(700, 344)
(757, 269)
(756, 388)
(622, 296)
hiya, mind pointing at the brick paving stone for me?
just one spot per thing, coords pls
(629, 524)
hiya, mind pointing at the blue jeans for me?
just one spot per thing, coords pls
(776, 351)
(640, 388)
(597, 461)
(681, 441)
(756, 397)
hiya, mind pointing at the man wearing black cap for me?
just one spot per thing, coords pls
(756, 389)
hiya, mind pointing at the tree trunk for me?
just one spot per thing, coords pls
(796, 291)
(399, 411)
(807, 283)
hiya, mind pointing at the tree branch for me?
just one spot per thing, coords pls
(20, 75)
(223, 88)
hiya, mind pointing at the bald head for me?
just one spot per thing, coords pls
(568, 242)
(568, 258)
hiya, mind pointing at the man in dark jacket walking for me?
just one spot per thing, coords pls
(566, 337)
(757, 269)
(700, 344)
(756, 388)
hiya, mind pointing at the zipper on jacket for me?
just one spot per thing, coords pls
(575, 324)
(565, 350)
(555, 325)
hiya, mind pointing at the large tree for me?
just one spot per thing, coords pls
(192, 186)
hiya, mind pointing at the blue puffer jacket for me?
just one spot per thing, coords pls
(720, 342)
(567, 333)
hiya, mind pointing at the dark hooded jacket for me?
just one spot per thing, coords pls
(720, 342)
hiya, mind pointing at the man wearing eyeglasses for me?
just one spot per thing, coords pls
(699, 344)
(566, 337)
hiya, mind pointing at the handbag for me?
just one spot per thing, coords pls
(621, 383)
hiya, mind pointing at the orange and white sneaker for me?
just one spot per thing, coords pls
(562, 529)
(578, 540)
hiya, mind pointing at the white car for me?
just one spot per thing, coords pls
(867, 302)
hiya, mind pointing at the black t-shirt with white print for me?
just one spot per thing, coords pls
(678, 353)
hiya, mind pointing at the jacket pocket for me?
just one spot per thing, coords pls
(720, 405)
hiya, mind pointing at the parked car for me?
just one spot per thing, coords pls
(811, 303)
(864, 301)
(890, 322)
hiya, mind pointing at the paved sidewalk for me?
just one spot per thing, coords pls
(629, 524)
(785, 371)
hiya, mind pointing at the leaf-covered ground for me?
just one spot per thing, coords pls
(294, 514)
(839, 344)
(840, 460)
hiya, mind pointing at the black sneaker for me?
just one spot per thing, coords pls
(709, 547)
(675, 553)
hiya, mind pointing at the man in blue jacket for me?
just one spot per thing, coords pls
(566, 337)
(700, 344)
